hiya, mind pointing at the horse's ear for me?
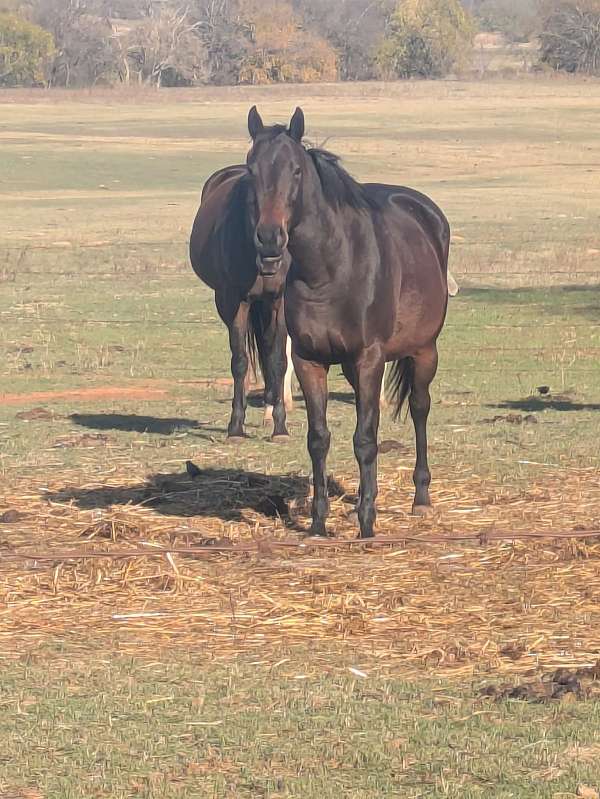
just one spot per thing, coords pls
(297, 125)
(255, 123)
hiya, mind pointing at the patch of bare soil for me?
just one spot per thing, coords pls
(98, 392)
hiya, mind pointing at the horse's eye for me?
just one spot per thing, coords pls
(297, 172)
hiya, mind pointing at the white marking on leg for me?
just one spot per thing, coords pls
(382, 400)
(268, 417)
(287, 382)
(453, 288)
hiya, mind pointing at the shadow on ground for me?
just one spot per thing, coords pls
(583, 300)
(133, 423)
(215, 492)
(557, 403)
(256, 399)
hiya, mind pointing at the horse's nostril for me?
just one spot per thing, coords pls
(270, 240)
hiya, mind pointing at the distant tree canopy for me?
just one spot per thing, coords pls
(280, 49)
(25, 51)
(354, 28)
(427, 39)
(570, 35)
(191, 42)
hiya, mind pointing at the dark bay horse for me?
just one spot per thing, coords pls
(367, 285)
(248, 291)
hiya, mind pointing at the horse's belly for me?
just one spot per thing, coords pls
(417, 322)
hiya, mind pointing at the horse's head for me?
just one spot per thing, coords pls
(275, 163)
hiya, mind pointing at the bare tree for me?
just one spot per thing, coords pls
(222, 33)
(166, 49)
(85, 51)
(570, 36)
(354, 27)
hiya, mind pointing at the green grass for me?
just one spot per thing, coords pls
(118, 727)
(498, 346)
(97, 198)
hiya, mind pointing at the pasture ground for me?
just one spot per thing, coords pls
(287, 672)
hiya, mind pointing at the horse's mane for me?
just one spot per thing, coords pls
(340, 189)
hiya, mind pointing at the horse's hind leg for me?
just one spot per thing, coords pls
(425, 367)
(272, 347)
(288, 399)
(366, 378)
(313, 381)
(237, 322)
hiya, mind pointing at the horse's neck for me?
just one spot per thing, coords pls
(314, 242)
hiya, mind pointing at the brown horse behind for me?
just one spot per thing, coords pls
(248, 291)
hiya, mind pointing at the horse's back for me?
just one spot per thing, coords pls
(206, 250)
(219, 177)
(415, 241)
(418, 206)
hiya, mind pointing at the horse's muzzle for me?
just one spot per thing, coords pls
(270, 242)
(269, 266)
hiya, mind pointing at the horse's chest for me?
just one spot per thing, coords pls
(327, 346)
(316, 329)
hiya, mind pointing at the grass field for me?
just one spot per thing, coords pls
(115, 371)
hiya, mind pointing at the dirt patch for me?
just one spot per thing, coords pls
(564, 684)
(100, 392)
(35, 414)
(390, 445)
(11, 516)
(512, 418)
(84, 440)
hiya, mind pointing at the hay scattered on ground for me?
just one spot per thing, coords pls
(450, 607)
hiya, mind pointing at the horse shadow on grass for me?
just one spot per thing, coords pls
(136, 423)
(559, 301)
(533, 404)
(255, 399)
(223, 493)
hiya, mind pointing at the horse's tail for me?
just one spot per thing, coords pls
(399, 383)
(255, 337)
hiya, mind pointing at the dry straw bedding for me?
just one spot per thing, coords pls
(218, 565)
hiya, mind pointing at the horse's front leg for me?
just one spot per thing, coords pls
(313, 381)
(366, 377)
(238, 328)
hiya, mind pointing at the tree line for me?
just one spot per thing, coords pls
(75, 43)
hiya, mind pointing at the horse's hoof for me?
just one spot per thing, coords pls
(422, 510)
(280, 438)
(319, 534)
(236, 439)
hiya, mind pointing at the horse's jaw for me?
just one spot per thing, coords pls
(269, 267)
